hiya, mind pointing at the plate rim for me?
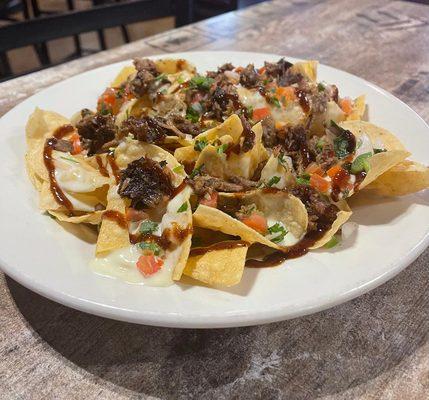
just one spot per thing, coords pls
(233, 319)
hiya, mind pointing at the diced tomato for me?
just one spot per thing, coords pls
(256, 221)
(135, 215)
(318, 183)
(313, 168)
(148, 264)
(346, 105)
(261, 70)
(211, 201)
(239, 69)
(107, 101)
(334, 170)
(77, 146)
(288, 93)
(260, 113)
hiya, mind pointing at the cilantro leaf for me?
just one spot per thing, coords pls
(192, 114)
(303, 179)
(153, 247)
(200, 144)
(274, 180)
(183, 207)
(222, 148)
(360, 163)
(178, 169)
(277, 228)
(196, 171)
(376, 151)
(200, 82)
(148, 226)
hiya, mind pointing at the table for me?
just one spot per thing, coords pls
(374, 347)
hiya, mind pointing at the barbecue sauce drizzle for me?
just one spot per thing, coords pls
(230, 244)
(101, 167)
(56, 191)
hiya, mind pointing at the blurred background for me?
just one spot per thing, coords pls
(36, 34)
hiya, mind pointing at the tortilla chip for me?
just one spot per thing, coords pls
(112, 236)
(402, 179)
(306, 68)
(283, 170)
(278, 205)
(342, 216)
(232, 126)
(173, 66)
(358, 109)
(91, 218)
(123, 75)
(222, 267)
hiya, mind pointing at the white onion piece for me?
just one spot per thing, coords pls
(232, 75)
(365, 145)
(349, 231)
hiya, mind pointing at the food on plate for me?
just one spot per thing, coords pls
(184, 173)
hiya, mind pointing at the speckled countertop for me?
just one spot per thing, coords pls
(374, 347)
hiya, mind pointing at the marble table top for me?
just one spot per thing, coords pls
(374, 347)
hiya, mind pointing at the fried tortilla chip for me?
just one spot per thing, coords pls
(124, 74)
(274, 205)
(220, 266)
(306, 68)
(91, 218)
(358, 109)
(402, 179)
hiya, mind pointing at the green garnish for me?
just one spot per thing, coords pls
(69, 159)
(200, 144)
(265, 81)
(180, 79)
(183, 207)
(359, 143)
(179, 169)
(303, 179)
(277, 228)
(222, 148)
(341, 141)
(196, 171)
(192, 114)
(161, 77)
(320, 144)
(275, 101)
(200, 82)
(376, 151)
(127, 113)
(332, 242)
(104, 110)
(274, 180)
(148, 227)
(153, 247)
(249, 111)
(361, 163)
(120, 92)
(320, 87)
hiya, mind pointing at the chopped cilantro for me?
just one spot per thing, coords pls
(274, 180)
(70, 159)
(161, 77)
(303, 179)
(222, 148)
(179, 169)
(340, 146)
(319, 145)
(277, 228)
(275, 101)
(192, 114)
(127, 113)
(148, 226)
(200, 144)
(153, 247)
(360, 163)
(183, 207)
(376, 151)
(196, 171)
(104, 110)
(249, 111)
(265, 81)
(180, 79)
(332, 242)
(359, 143)
(200, 82)
(320, 87)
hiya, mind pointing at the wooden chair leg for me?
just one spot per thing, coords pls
(42, 53)
(125, 34)
(101, 39)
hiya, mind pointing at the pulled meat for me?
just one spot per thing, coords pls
(294, 141)
(145, 183)
(203, 184)
(146, 73)
(321, 212)
(248, 134)
(145, 129)
(249, 77)
(95, 130)
(278, 69)
(269, 136)
(185, 126)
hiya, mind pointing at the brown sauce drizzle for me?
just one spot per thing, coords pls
(181, 64)
(56, 191)
(303, 100)
(360, 176)
(116, 216)
(115, 169)
(178, 189)
(163, 241)
(101, 167)
(231, 244)
(338, 182)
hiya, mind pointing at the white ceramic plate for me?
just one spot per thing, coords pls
(53, 260)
